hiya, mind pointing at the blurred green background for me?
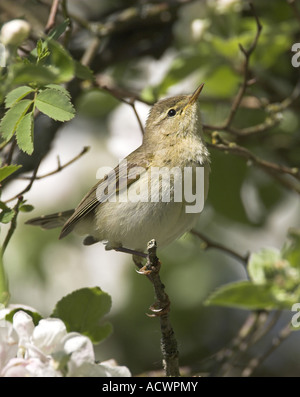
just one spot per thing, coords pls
(186, 43)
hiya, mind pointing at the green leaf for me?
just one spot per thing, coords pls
(16, 95)
(246, 295)
(12, 118)
(33, 74)
(55, 104)
(261, 264)
(26, 208)
(8, 170)
(222, 82)
(6, 214)
(95, 103)
(51, 59)
(60, 62)
(82, 310)
(55, 33)
(59, 88)
(24, 133)
(36, 317)
(83, 72)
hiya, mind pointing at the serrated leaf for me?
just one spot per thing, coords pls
(82, 310)
(55, 104)
(246, 295)
(12, 118)
(16, 95)
(8, 170)
(24, 133)
(59, 88)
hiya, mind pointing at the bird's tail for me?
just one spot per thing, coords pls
(51, 221)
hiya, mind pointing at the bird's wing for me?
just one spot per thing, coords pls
(112, 184)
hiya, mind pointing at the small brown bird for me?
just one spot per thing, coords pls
(149, 194)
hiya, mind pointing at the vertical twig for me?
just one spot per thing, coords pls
(161, 310)
(52, 16)
(247, 54)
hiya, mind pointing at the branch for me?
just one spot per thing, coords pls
(59, 166)
(276, 342)
(275, 170)
(161, 309)
(212, 244)
(13, 225)
(28, 187)
(52, 16)
(106, 84)
(247, 53)
(256, 326)
(273, 118)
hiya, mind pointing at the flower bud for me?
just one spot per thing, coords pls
(14, 32)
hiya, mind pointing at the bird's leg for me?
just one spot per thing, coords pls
(130, 251)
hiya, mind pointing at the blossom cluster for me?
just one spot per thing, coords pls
(48, 350)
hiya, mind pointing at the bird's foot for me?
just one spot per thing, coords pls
(160, 308)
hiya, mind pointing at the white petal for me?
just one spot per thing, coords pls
(79, 346)
(23, 325)
(15, 32)
(8, 343)
(18, 367)
(111, 369)
(48, 333)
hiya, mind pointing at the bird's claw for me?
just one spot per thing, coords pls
(144, 271)
(158, 309)
(147, 270)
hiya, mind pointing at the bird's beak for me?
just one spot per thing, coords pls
(195, 94)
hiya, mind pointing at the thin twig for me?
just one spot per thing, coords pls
(241, 151)
(120, 94)
(91, 51)
(68, 32)
(161, 309)
(11, 152)
(247, 53)
(59, 166)
(13, 225)
(265, 321)
(223, 359)
(276, 342)
(213, 244)
(132, 104)
(27, 188)
(52, 16)
(274, 111)
(275, 170)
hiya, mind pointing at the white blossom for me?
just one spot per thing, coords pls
(48, 350)
(14, 32)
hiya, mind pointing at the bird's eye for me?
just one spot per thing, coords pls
(171, 112)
